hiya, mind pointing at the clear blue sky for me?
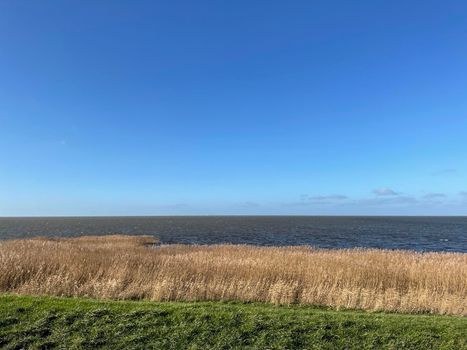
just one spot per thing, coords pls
(237, 107)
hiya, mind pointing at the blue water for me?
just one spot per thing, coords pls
(414, 233)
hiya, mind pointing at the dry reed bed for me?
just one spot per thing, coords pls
(122, 267)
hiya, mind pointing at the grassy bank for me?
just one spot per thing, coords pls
(123, 267)
(72, 323)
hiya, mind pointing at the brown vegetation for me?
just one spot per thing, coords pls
(123, 267)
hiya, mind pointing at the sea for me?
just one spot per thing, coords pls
(446, 234)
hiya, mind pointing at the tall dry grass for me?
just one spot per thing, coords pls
(123, 267)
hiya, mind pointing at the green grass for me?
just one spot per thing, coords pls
(65, 323)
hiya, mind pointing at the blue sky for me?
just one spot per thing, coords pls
(240, 107)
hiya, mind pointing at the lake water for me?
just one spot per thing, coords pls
(416, 233)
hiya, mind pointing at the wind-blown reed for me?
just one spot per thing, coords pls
(123, 267)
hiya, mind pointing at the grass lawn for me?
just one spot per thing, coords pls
(66, 323)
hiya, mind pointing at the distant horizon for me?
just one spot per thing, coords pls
(226, 215)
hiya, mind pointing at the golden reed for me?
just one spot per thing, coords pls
(123, 267)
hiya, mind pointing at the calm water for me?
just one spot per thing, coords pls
(417, 233)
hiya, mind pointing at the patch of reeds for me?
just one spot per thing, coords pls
(123, 267)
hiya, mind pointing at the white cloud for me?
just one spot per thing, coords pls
(331, 197)
(390, 200)
(249, 204)
(433, 195)
(307, 200)
(385, 191)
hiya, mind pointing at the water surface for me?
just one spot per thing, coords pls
(415, 233)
